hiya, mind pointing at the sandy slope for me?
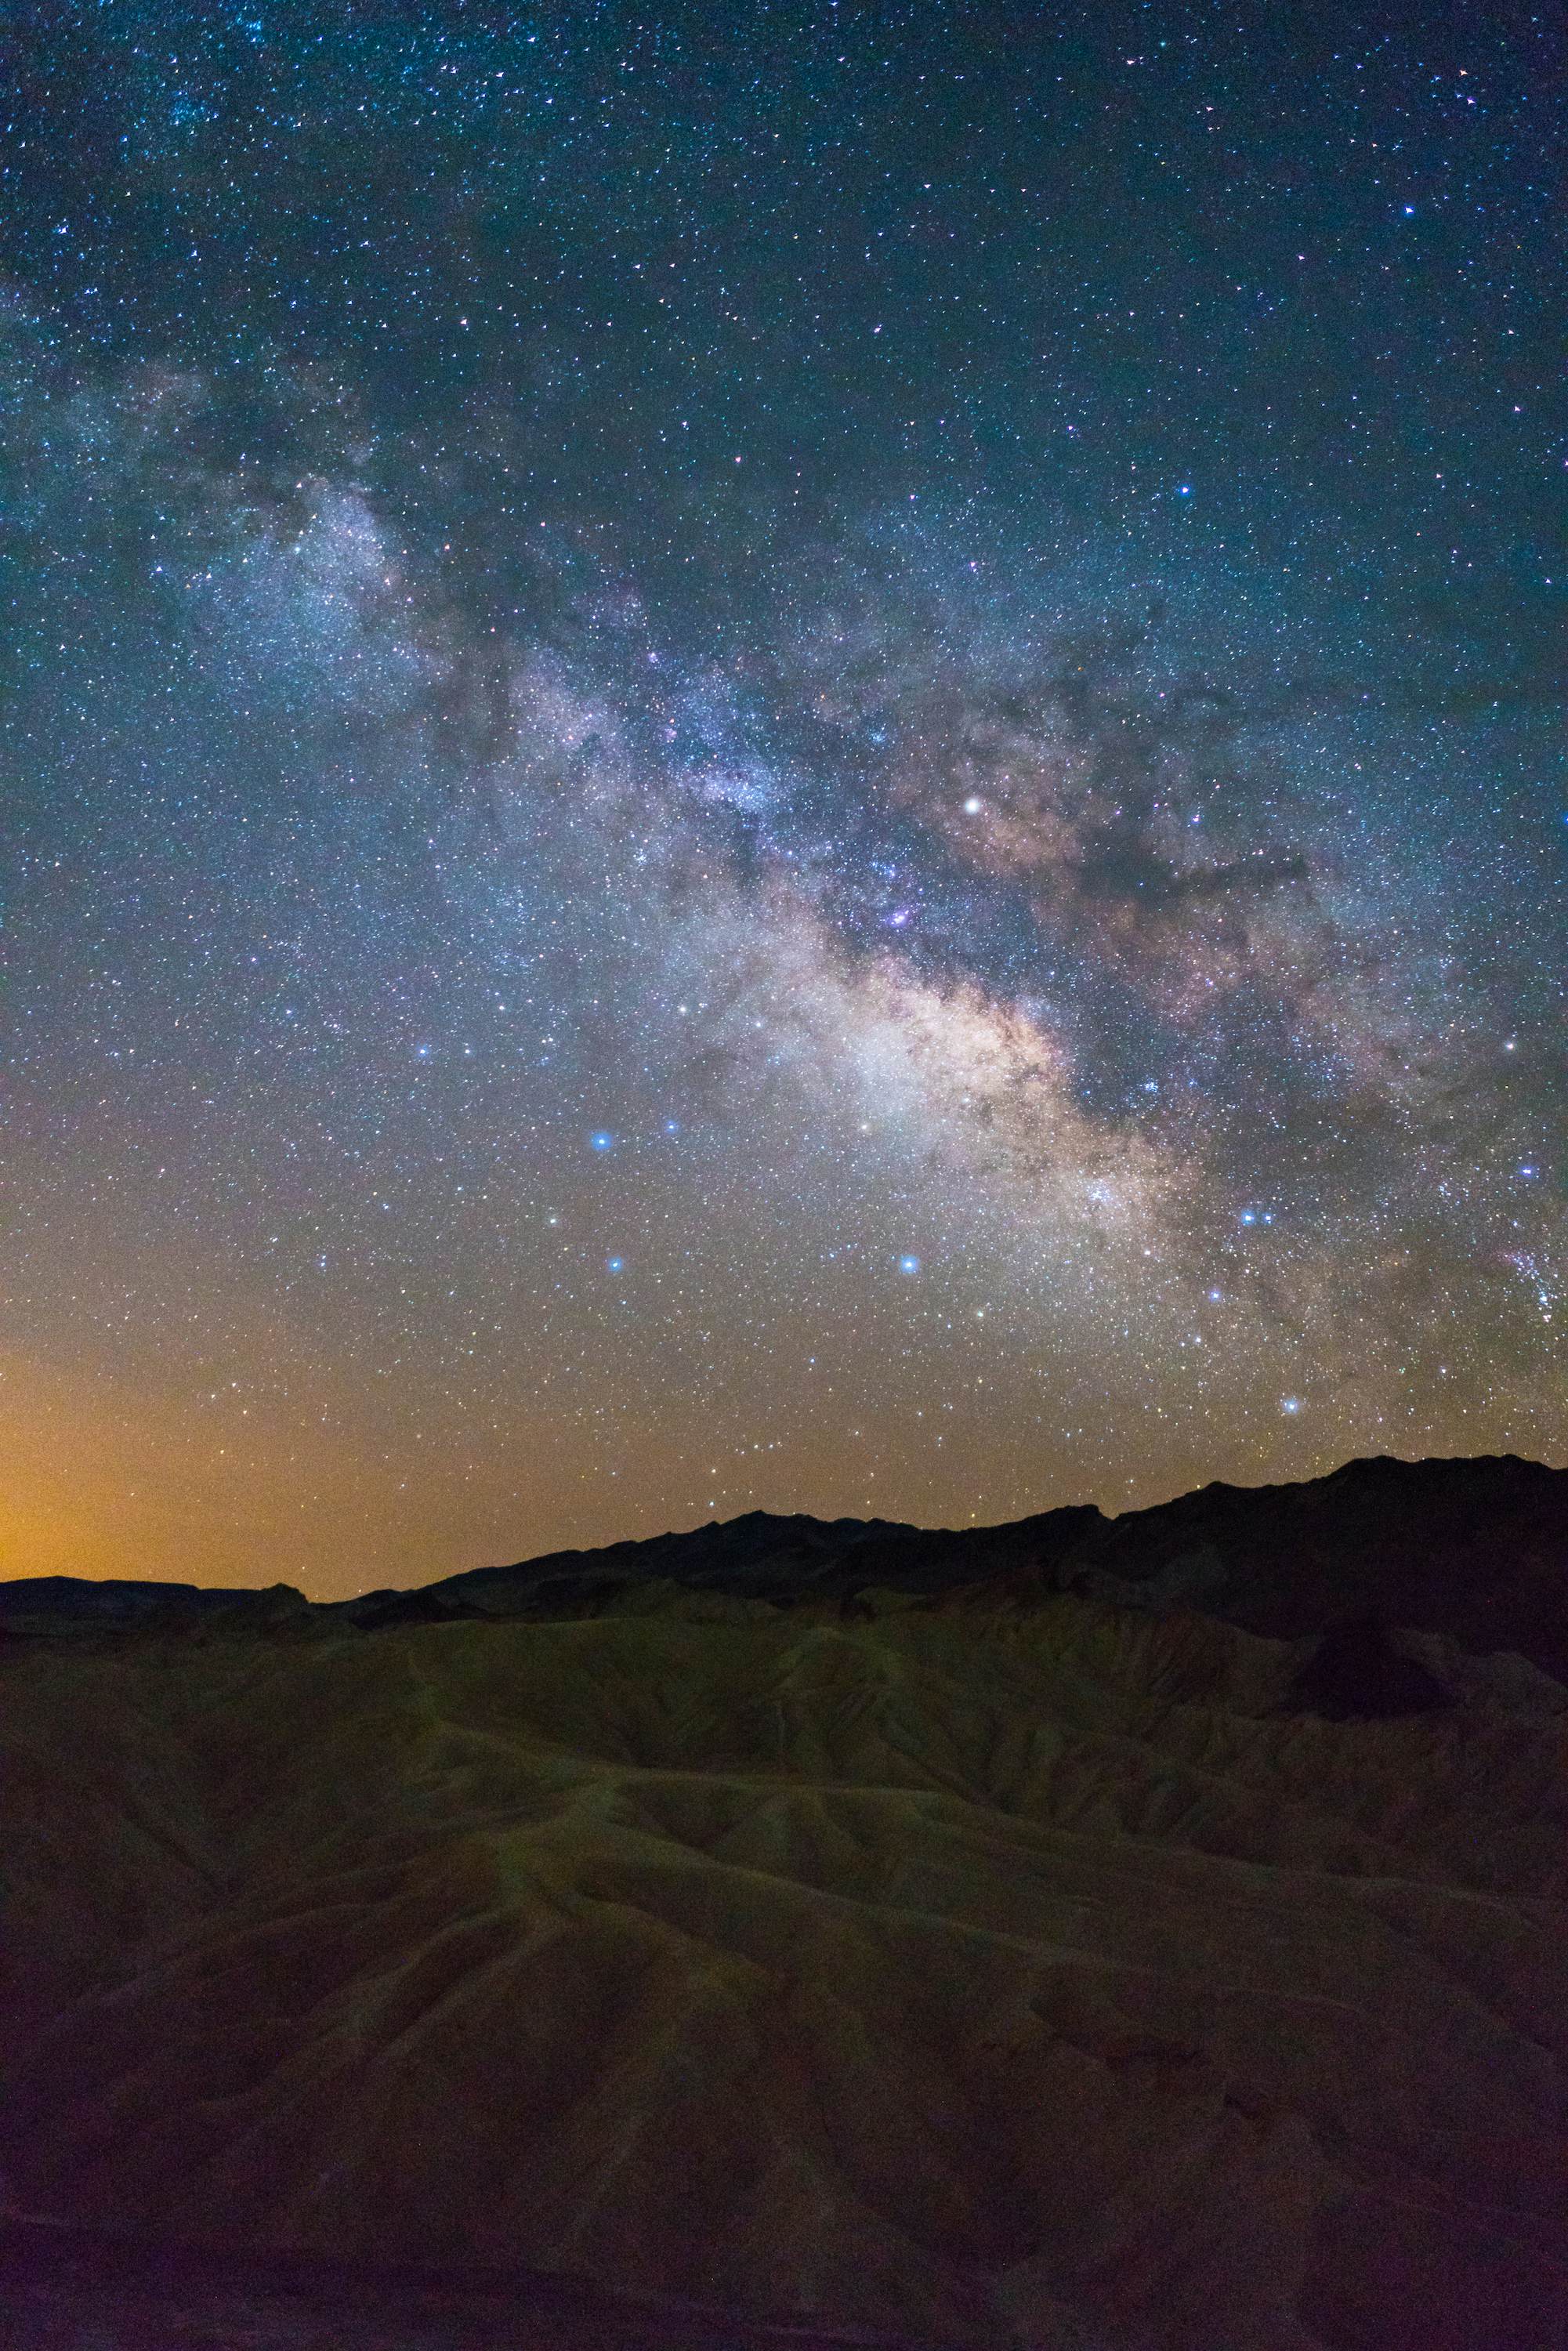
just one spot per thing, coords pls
(1025, 1976)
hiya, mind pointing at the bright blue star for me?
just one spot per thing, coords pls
(909, 1265)
(614, 1265)
(601, 1141)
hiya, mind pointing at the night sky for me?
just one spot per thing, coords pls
(804, 757)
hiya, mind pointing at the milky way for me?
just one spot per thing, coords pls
(812, 764)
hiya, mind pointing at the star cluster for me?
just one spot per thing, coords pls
(806, 760)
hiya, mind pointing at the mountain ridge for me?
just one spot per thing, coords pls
(1472, 1548)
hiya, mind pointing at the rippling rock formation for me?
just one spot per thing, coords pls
(977, 1940)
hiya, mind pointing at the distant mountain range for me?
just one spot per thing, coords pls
(1475, 1550)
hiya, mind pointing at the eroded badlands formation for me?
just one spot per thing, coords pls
(995, 1962)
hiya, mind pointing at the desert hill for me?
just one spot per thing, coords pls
(980, 1940)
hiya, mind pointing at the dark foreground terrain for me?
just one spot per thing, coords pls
(1148, 1934)
(73, 2290)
